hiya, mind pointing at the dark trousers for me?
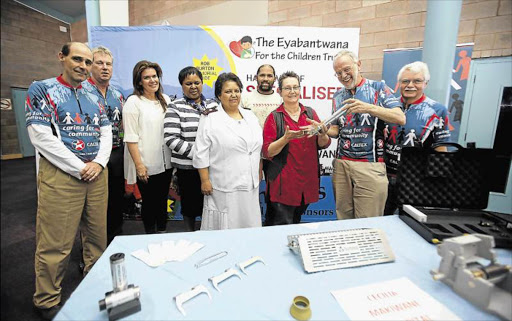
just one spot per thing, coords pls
(392, 200)
(154, 201)
(189, 184)
(115, 194)
(281, 214)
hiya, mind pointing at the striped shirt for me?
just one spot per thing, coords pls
(180, 129)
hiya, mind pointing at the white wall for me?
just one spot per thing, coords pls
(114, 13)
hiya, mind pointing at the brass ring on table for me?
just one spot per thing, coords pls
(300, 309)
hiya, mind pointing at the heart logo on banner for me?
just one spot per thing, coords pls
(236, 48)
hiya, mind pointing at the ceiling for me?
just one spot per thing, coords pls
(65, 10)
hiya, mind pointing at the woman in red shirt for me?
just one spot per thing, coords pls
(291, 175)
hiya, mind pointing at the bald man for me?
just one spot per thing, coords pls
(72, 179)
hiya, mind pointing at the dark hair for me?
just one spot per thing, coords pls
(266, 65)
(66, 49)
(246, 39)
(223, 78)
(187, 71)
(288, 74)
(137, 78)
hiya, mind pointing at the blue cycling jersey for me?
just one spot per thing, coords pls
(112, 102)
(361, 136)
(426, 123)
(74, 114)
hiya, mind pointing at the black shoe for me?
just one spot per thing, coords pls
(50, 313)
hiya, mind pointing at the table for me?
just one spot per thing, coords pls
(267, 291)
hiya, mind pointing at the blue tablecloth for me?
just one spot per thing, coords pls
(267, 291)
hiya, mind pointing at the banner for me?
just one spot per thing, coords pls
(395, 59)
(239, 49)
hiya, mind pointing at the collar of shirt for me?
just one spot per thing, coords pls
(200, 107)
(418, 101)
(91, 81)
(62, 81)
(281, 108)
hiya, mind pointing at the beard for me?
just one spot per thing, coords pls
(354, 80)
(265, 87)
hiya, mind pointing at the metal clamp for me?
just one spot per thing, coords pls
(185, 296)
(252, 260)
(226, 275)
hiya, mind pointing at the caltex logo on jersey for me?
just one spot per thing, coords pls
(78, 144)
(380, 143)
(346, 145)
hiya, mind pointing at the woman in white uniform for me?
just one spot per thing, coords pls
(227, 154)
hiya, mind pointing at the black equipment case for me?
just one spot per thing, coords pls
(452, 189)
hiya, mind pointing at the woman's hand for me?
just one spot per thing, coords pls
(142, 173)
(206, 187)
(292, 134)
(314, 125)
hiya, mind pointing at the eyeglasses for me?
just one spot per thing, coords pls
(288, 89)
(340, 73)
(414, 81)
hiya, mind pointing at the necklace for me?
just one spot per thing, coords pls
(295, 113)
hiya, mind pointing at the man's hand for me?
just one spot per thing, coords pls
(353, 106)
(91, 171)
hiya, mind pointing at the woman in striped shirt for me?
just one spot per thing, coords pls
(180, 129)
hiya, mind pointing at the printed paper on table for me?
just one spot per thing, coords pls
(398, 299)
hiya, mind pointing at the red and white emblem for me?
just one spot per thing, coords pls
(346, 145)
(78, 144)
(380, 143)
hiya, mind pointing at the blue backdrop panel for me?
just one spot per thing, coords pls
(395, 60)
(172, 47)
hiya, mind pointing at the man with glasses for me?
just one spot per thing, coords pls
(72, 178)
(264, 99)
(426, 123)
(359, 178)
(112, 101)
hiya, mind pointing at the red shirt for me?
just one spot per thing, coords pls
(300, 174)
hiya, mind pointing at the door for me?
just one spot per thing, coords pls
(486, 121)
(18, 104)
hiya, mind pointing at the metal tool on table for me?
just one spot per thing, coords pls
(185, 296)
(211, 259)
(341, 249)
(337, 114)
(222, 277)
(243, 265)
(124, 300)
(487, 286)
